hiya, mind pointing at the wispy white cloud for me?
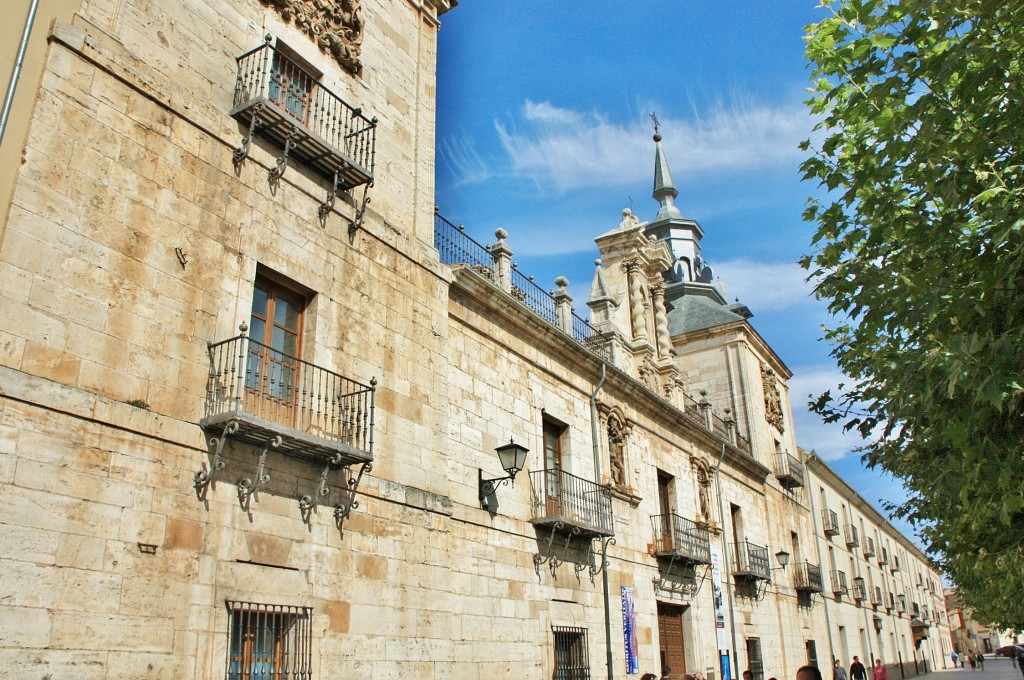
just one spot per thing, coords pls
(464, 162)
(828, 440)
(568, 149)
(765, 286)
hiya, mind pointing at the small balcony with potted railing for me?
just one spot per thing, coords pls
(830, 522)
(839, 585)
(789, 470)
(807, 578)
(851, 535)
(280, 403)
(279, 99)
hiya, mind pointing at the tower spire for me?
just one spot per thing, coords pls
(664, 189)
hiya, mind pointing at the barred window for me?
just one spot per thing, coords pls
(572, 657)
(269, 641)
(755, 662)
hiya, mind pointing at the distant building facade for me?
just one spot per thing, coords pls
(252, 387)
(970, 637)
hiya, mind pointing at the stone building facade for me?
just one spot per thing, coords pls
(252, 386)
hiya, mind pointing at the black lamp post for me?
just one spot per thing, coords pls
(513, 458)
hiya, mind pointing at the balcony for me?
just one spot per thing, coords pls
(876, 596)
(883, 557)
(852, 538)
(564, 501)
(807, 577)
(869, 547)
(789, 470)
(859, 589)
(890, 602)
(318, 415)
(839, 586)
(751, 561)
(830, 522)
(901, 604)
(894, 566)
(681, 539)
(280, 100)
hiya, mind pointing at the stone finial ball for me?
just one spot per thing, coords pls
(500, 234)
(657, 137)
(597, 262)
(561, 282)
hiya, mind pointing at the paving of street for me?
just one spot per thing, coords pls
(996, 668)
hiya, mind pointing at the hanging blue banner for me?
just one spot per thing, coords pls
(629, 631)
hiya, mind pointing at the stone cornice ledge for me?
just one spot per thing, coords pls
(510, 311)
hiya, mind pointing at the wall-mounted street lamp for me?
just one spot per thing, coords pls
(783, 557)
(513, 458)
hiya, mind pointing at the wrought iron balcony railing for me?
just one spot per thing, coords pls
(807, 577)
(883, 557)
(859, 589)
(751, 561)
(869, 547)
(789, 470)
(317, 413)
(852, 538)
(876, 596)
(839, 586)
(681, 538)
(830, 522)
(560, 498)
(277, 98)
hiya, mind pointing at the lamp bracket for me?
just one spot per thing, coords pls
(489, 486)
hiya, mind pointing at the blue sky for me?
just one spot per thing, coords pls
(543, 129)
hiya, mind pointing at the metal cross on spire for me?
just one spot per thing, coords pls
(654, 121)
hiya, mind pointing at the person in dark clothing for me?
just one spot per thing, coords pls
(857, 670)
(981, 661)
(808, 673)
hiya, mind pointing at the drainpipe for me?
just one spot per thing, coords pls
(817, 548)
(597, 473)
(16, 73)
(725, 558)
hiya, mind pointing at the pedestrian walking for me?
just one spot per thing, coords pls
(879, 672)
(953, 656)
(838, 672)
(857, 670)
(970, 660)
(981, 661)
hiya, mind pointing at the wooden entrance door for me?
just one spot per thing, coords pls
(670, 638)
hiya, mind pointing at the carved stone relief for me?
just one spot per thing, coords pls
(335, 26)
(772, 398)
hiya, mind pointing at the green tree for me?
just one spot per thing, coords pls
(918, 252)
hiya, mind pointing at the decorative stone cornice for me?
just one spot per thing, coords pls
(335, 26)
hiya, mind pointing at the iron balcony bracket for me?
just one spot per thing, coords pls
(550, 558)
(249, 487)
(203, 477)
(328, 205)
(596, 566)
(308, 502)
(357, 221)
(344, 507)
(242, 152)
(275, 173)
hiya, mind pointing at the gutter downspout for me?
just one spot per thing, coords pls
(597, 473)
(725, 558)
(817, 548)
(16, 72)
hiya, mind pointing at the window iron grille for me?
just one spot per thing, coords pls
(572, 655)
(269, 642)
